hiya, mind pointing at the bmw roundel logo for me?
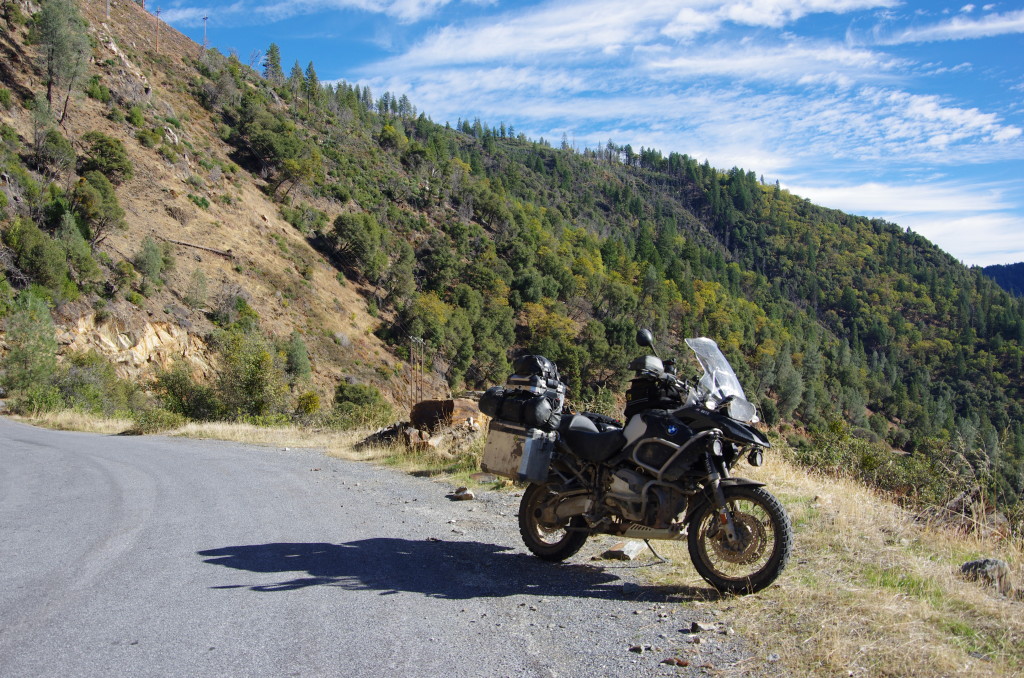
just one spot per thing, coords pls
(672, 429)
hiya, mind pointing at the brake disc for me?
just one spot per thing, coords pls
(751, 540)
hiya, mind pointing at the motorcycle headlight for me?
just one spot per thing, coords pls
(755, 458)
(716, 447)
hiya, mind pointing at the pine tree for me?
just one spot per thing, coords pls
(61, 32)
(296, 80)
(311, 86)
(31, 360)
(272, 65)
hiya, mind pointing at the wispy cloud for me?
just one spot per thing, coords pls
(901, 198)
(957, 28)
(976, 222)
(255, 12)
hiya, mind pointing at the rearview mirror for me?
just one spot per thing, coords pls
(645, 337)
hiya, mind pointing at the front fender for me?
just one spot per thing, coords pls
(706, 496)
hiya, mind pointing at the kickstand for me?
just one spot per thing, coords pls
(656, 554)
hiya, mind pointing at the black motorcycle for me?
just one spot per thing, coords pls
(665, 474)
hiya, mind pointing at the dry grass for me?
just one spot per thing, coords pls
(340, 444)
(871, 591)
(70, 420)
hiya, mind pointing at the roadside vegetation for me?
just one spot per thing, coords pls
(873, 589)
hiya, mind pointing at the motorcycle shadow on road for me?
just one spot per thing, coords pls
(455, 570)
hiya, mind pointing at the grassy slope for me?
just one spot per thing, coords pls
(871, 590)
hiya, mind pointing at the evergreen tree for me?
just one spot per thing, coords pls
(296, 81)
(311, 87)
(60, 31)
(272, 65)
(31, 360)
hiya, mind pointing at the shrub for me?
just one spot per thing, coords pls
(153, 260)
(195, 293)
(307, 403)
(37, 398)
(95, 202)
(88, 382)
(169, 153)
(124, 275)
(5, 98)
(106, 155)
(252, 381)
(234, 312)
(80, 258)
(136, 117)
(96, 90)
(360, 406)
(151, 137)
(56, 152)
(358, 394)
(179, 393)
(157, 420)
(199, 200)
(38, 255)
(297, 358)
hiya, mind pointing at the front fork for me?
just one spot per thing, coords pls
(725, 521)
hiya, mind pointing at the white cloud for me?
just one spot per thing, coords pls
(405, 11)
(978, 224)
(799, 62)
(959, 28)
(875, 198)
(967, 9)
(975, 239)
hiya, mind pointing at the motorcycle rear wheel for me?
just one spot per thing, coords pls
(549, 542)
(765, 540)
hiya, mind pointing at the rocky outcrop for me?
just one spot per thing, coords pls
(137, 347)
(990, 571)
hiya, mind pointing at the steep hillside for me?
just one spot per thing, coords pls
(1009, 276)
(187, 189)
(386, 240)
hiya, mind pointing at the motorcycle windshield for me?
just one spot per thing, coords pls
(719, 380)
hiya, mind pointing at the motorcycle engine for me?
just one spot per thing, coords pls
(625, 494)
(625, 497)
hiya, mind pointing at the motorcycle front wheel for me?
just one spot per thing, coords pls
(554, 542)
(761, 550)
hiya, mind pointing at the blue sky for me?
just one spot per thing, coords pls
(908, 110)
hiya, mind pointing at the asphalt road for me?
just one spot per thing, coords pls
(152, 556)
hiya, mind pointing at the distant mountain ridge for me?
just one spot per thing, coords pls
(1009, 276)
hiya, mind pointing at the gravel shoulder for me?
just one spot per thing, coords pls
(153, 556)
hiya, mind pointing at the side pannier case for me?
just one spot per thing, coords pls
(519, 453)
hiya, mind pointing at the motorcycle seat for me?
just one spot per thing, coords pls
(586, 442)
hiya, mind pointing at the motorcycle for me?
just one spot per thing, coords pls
(665, 474)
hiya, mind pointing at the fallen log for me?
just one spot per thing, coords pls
(223, 253)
